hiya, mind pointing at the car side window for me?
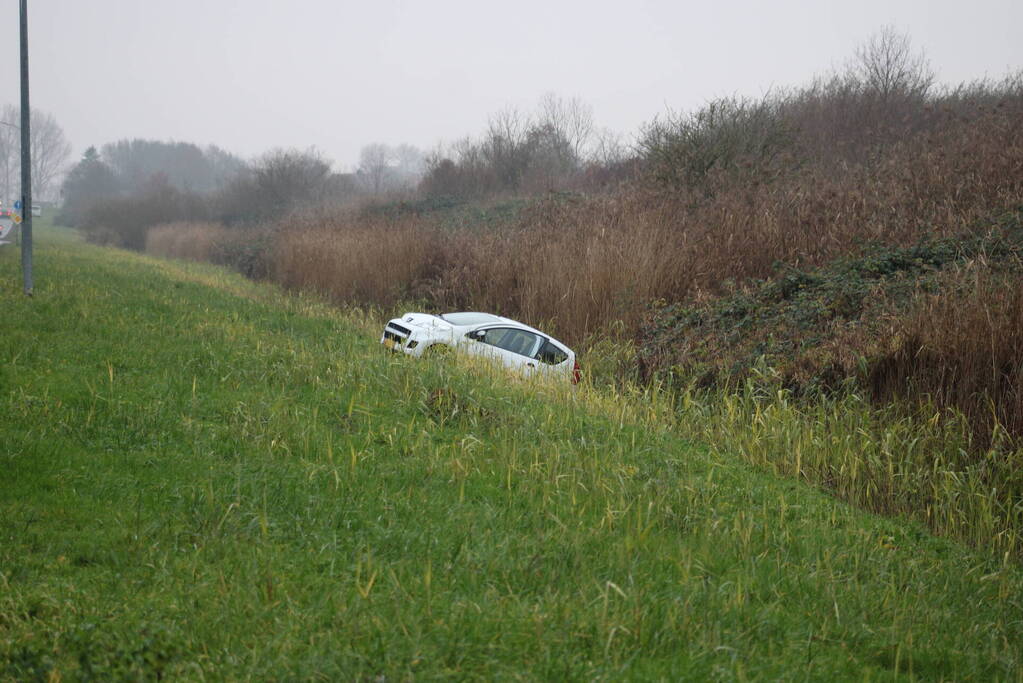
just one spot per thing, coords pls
(492, 336)
(517, 341)
(551, 354)
(521, 342)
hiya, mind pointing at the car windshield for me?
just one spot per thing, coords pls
(469, 318)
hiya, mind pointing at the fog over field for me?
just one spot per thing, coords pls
(249, 76)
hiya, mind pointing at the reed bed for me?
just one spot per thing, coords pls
(915, 466)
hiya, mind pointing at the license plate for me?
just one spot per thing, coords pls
(389, 344)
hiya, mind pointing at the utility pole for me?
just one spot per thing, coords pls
(26, 159)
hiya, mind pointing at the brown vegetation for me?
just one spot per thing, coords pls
(963, 348)
(584, 262)
(727, 194)
(187, 241)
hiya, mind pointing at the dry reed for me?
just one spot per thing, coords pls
(187, 241)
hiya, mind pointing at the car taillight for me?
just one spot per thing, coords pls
(576, 375)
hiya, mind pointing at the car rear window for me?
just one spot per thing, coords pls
(551, 354)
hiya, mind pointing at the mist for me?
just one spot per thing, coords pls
(254, 76)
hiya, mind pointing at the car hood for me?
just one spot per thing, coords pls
(424, 320)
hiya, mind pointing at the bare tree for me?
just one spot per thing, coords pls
(887, 66)
(274, 184)
(9, 149)
(286, 178)
(517, 151)
(608, 148)
(409, 164)
(504, 150)
(375, 165)
(224, 166)
(468, 153)
(410, 159)
(571, 118)
(50, 153)
(508, 125)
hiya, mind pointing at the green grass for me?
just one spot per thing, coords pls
(890, 460)
(202, 477)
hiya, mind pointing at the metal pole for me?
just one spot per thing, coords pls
(26, 158)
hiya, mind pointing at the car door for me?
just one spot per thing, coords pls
(512, 347)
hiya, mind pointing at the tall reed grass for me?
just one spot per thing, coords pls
(962, 349)
(884, 460)
(583, 264)
(190, 241)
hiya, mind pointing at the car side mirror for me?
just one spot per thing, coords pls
(477, 335)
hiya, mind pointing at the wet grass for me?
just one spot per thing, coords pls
(201, 477)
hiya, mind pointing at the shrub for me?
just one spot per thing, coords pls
(731, 136)
(124, 222)
(246, 250)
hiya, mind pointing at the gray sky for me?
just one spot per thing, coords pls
(253, 75)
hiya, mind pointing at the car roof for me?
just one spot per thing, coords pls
(475, 318)
(472, 318)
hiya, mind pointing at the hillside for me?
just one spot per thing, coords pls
(201, 477)
(938, 319)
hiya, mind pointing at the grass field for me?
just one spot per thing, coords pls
(204, 478)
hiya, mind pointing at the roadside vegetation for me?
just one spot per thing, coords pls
(940, 318)
(830, 273)
(207, 477)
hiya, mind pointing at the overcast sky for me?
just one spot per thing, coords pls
(256, 74)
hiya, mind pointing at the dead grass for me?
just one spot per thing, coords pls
(187, 241)
(963, 350)
(587, 265)
(349, 259)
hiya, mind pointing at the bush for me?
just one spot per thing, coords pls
(124, 222)
(729, 137)
(245, 250)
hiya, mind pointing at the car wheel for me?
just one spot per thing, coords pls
(438, 351)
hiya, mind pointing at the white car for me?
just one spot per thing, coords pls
(515, 345)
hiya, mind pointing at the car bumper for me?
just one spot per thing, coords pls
(399, 338)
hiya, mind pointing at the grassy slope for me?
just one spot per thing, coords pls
(200, 476)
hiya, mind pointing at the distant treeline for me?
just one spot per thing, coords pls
(115, 195)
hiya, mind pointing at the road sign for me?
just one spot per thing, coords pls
(17, 205)
(17, 218)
